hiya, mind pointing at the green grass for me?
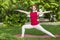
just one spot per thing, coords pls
(41, 39)
(11, 31)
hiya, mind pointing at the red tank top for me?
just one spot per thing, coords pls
(33, 18)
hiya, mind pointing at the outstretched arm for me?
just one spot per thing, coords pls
(23, 11)
(41, 12)
(47, 11)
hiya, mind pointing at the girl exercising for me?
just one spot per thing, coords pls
(34, 21)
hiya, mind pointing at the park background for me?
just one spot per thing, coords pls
(11, 21)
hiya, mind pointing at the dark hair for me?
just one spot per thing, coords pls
(33, 5)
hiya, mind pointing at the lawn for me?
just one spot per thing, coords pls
(8, 32)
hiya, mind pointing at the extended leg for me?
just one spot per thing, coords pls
(27, 26)
(23, 31)
(39, 27)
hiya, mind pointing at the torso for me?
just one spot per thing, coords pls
(33, 18)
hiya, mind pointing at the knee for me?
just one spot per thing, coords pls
(23, 27)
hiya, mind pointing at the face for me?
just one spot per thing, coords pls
(33, 8)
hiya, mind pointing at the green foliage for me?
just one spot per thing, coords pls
(58, 14)
(8, 15)
(15, 19)
(9, 32)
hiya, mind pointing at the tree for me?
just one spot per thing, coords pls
(8, 15)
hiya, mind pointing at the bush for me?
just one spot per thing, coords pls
(58, 16)
(9, 16)
(15, 19)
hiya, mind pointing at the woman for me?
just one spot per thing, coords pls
(34, 22)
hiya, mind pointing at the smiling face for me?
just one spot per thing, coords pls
(33, 8)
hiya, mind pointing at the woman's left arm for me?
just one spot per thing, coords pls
(47, 11)
(41, 12)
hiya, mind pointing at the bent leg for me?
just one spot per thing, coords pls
(39, 27)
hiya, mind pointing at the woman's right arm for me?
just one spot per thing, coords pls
(23, 11)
